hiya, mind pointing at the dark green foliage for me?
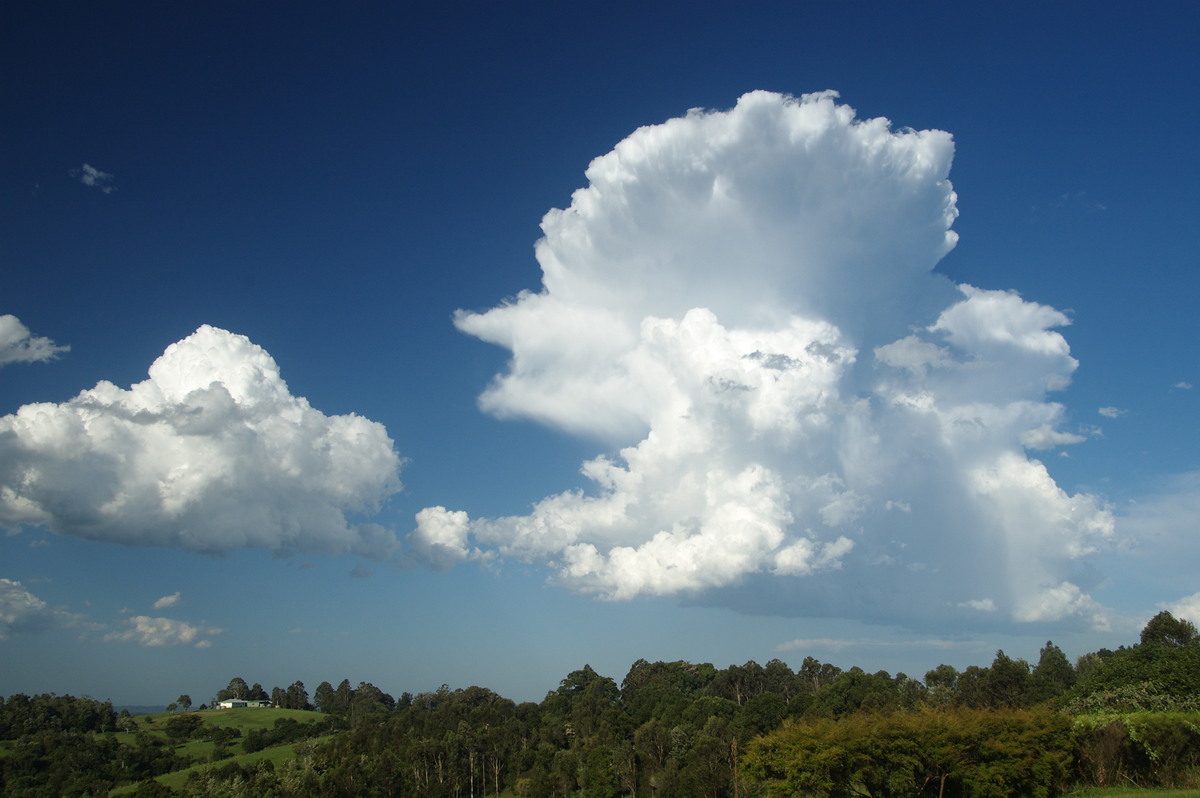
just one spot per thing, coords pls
(444, 743)
(51, 763)
(1165, 629)
(1052, 676)
(217, 734)
(323, 698)
(253, 779)
(941, 685)
(150, 788)
(237, 688)
(761, 714)
(285, 730)
(853, 691)
(21, 714)
(1006, 684)
(584, 707)
(296, 697)
(351, 706)
(183, 726)
(813, 675)
(663, 689)
(1161, 674)
(739, 683)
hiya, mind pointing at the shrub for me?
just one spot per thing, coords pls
(968, 753)
(1146, 749)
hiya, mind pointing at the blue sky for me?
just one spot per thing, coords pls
(816, 423)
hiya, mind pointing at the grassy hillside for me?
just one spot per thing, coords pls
(245, 720)
(277, 755)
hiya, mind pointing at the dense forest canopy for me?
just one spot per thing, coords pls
(667, 729)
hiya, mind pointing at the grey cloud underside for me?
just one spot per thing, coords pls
(742, 306)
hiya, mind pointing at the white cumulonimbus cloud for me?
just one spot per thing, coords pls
(211, 453)
(18, 345)
(803, 417)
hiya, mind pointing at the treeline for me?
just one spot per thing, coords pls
(686, 730)
(339, 701)
(21, 715)
(54, 745)
(1130, 716)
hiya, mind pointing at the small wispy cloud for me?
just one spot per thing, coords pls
(18, 345)
(91, 176)
(168, 601)
(1112, 412)
(360, 571)
(1071, 202)
(1183, 385)
(154, 632)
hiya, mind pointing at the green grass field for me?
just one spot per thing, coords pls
(244, 719)
(277, 755)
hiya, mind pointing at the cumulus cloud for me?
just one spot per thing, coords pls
(154, 632)
(91, 176)
(18, 345)
(211, 453)
(1112, 412)
(167, 602)
(21, 611)
(440, 539)
(798, 415)
(1183, 385)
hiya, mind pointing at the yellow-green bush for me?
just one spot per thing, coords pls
(970, 753)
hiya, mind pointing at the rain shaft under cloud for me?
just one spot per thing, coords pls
(742, 306)
(211, 453)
